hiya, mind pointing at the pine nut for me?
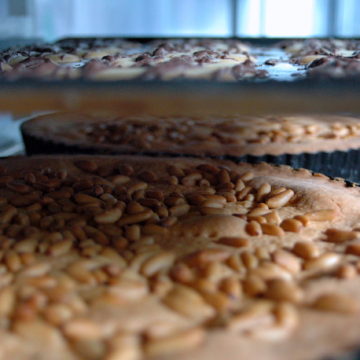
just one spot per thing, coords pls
(324, 262)
(286, 315)
(109, 216)
(191, 179)
(346, 271)
(247, 176)
(135, 218)
(291, 225)
(336, 303)
(272, 229)
(232, 287)
(287, 261)
(81, 198)
(339, 236)
(188, 302)
(203, 257)
(273, 218)
(264, 190)
(253, 228)
(236, 242)
(249, 260)
(353, 249)
(280, 200)
(253, 285)
(282, 290)
(179, 210)
(303, 219)
(306, 250)
(119, 179)
(269, 271)
(157, 262)
(258, 212)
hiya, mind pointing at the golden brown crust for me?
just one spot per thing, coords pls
(107, 257)
(211, 136)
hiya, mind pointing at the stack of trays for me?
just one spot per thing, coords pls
(177, 237)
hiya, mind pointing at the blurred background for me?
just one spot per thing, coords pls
(25, 21)
(51, 19)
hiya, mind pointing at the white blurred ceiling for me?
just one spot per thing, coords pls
(51, 19)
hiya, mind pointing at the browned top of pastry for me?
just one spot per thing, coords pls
(120, 60)
(240, 136)
(326, 58)
(166, 59)
(131, 257)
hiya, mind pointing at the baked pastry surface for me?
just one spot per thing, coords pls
(257, 136)
(133, 257)
(168, 59)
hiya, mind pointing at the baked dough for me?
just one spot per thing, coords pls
(133, 257)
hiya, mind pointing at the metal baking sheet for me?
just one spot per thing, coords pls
(184, 97)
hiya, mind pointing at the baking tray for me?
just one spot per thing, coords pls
(183, 97)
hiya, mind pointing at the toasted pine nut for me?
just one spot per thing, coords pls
(287, 260)
(291, 225)
(346, 271)
(81, 198)
(280, 200)
(324, 262)
(188, 302)
(249, 260)
(247, 176)
(272, 229)
(232, 287)
(263, 191)
(283, 290)
(109, 216)
(203, 257)
(339, 236)
(353, 249)
(253, 285)
(135, 218)
(179, 210)
(236, 242)
(273, 218)
(253, 228)
(336, 303)
(157, 262)
(306, 250)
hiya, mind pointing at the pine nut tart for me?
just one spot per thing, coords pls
(118, 59)
(128, 257)
(323, 143)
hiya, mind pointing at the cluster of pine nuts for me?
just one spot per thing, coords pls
(147, 133)
(76, 243)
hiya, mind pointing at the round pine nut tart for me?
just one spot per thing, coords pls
(128, 257)
(328, 144)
